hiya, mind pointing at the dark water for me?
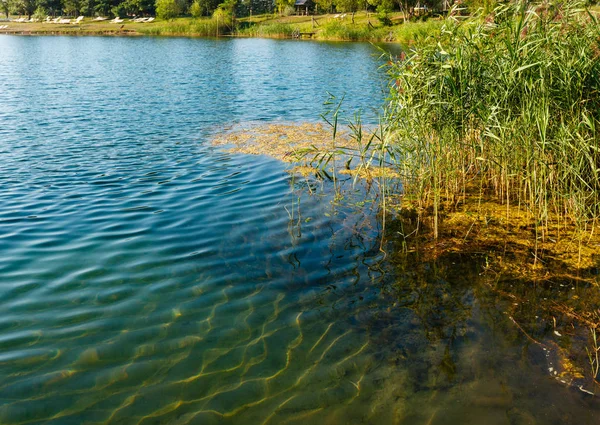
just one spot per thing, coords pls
(148, 278)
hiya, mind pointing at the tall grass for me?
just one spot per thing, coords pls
(508, 103)
(190, 27)
(335, 30)
(410, 32)
(276, 29)
(332, 29)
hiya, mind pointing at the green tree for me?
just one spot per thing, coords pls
(74, 7)
(52, 7)
(384, 8)
(103, 7)
(137, 7)
(226, 9)
(25, 7)
(40, 13)
(203, 7)
(119, 10)
(196, 9)
(282, 4)
(5, 7)
(346, 5)
(183, 6)
(325, 6)
(167, 9)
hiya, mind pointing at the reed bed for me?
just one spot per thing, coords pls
(506, 104)
(205, 27)
(275, 29)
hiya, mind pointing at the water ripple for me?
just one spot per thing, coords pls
(147, 278)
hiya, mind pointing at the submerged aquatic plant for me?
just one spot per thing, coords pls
(594, 355)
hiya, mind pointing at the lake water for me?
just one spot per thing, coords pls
(147, 277)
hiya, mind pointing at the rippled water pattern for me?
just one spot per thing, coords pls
(146, 278)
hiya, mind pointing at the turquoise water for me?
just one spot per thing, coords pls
(149, 278)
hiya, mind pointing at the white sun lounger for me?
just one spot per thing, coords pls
(78, 20)
(117, 20)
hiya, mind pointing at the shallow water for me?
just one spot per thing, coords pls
(149, 278)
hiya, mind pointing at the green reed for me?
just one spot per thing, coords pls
(276, 29)
(508, 103)
(204, 27)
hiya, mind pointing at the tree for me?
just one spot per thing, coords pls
(52, 7)
(203, 7)
(325, 5)
(73, 7)
(407, 8)
(282, 4)
(382, 5)
(40, 13)
(167, 9)
(196, 9)
(226, 10)
(103, 7)
(346, 5)
(25, 7)
(5, 7)
(384, 8)
(137, 7)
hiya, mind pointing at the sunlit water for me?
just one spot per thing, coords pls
(148, 278)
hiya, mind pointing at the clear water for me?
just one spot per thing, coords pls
(147, 278)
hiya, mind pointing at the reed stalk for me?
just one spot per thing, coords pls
(510, 100)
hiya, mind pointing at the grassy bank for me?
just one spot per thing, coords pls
(176, 27)
(366, 27)
(187, 27)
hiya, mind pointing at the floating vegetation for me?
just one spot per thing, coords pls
(304, 145)
(284, 142)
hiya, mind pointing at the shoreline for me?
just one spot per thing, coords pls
(134, 33)
(318, 28)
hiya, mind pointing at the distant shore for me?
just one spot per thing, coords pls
(363, 27)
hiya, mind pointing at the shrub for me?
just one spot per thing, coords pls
(40, 13)
(167, 9)
(196, 9)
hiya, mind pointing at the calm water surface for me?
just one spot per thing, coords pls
(148, 278)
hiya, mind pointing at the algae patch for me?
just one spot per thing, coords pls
(309, 147)
(286, 142)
